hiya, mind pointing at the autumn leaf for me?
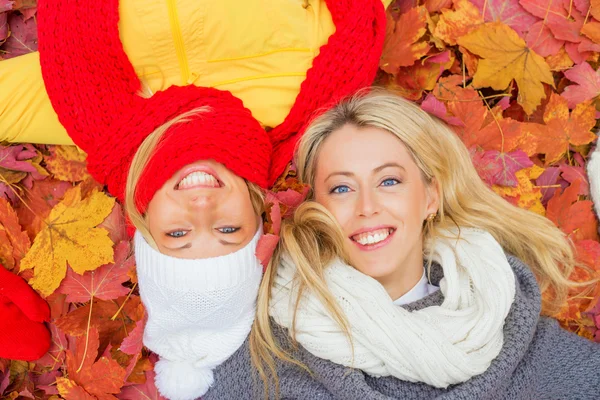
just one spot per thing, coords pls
(564, 129)
(70, 390)
(265, 248)
(595, 9)
(435, 107)
(542, 41)
(525, 194)
(402, 46)
(458, 22)
(125, 310)
(572, 173)
(575, 218)
(564, 21)
(507, 57)
(496, 168)
(103, 283)
(146, 391)
(38, 202)
(67, 163)
(98, 378)
(509, 12)
(14, 242)
(70, 236)
(133, 343)
(437, 5)
(412, 81)
(23, 36)
(587, 84)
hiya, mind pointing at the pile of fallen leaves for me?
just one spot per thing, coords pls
(517, 80)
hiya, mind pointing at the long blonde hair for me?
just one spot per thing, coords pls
(140, 160)
(313, 237)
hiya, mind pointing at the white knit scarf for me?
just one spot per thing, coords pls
(439, 345)
(199, 313)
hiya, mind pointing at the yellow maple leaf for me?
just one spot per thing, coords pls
(507, 57)
(526, 195)
(70, 235)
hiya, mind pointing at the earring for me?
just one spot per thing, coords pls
(431, 217)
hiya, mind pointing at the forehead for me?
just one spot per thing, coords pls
(354, 148)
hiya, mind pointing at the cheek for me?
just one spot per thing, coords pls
(341, 209)
(240, 204)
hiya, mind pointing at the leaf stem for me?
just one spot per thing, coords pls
(122, 305)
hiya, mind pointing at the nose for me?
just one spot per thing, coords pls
(199, 202)
(368, 204)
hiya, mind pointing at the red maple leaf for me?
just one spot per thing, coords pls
(133, 343)
(98, 377)
(37, 203)
(147, 390)
(586, 87)
(103, 283)
(23, 36)
(496, 168)
(542, 41)
(508, 11)
(564, 21)
(438, 108)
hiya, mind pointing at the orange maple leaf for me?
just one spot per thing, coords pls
(507, 57)
(402, 46)
(413, 80)
(14, 242)
(562, 128)
(575, 218)
(458, 22)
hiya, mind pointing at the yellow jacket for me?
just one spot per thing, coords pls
(259, 50)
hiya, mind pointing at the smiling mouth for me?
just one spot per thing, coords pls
(198, 179)
(373, 237)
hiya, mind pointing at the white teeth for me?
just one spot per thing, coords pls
(372, 237)
(198, 178)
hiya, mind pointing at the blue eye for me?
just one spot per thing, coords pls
(177, 234)
(390, 182)
(228, 229)
(340, 189)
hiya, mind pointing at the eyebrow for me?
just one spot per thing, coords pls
(378, 169)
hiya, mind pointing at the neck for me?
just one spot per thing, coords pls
(404, 278)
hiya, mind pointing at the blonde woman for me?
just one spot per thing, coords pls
(405, 276)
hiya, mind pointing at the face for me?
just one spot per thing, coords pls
(203, 211)
(367, 179)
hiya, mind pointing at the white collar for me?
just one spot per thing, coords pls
(419, 291)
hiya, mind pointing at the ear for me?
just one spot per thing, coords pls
(433, 198)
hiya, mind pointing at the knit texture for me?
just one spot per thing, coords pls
(199, 312)
(479, 289)
(539, 360)
(23, 335)
(94, 90)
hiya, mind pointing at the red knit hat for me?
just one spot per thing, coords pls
(94, 90)
(23, 335)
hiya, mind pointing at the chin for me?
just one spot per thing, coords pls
(375, 269)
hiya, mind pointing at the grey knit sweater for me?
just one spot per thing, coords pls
(539, 360)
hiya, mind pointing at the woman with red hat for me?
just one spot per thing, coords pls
(189, 164)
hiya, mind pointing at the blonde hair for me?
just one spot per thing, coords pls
(313, 237)
(145, 152)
